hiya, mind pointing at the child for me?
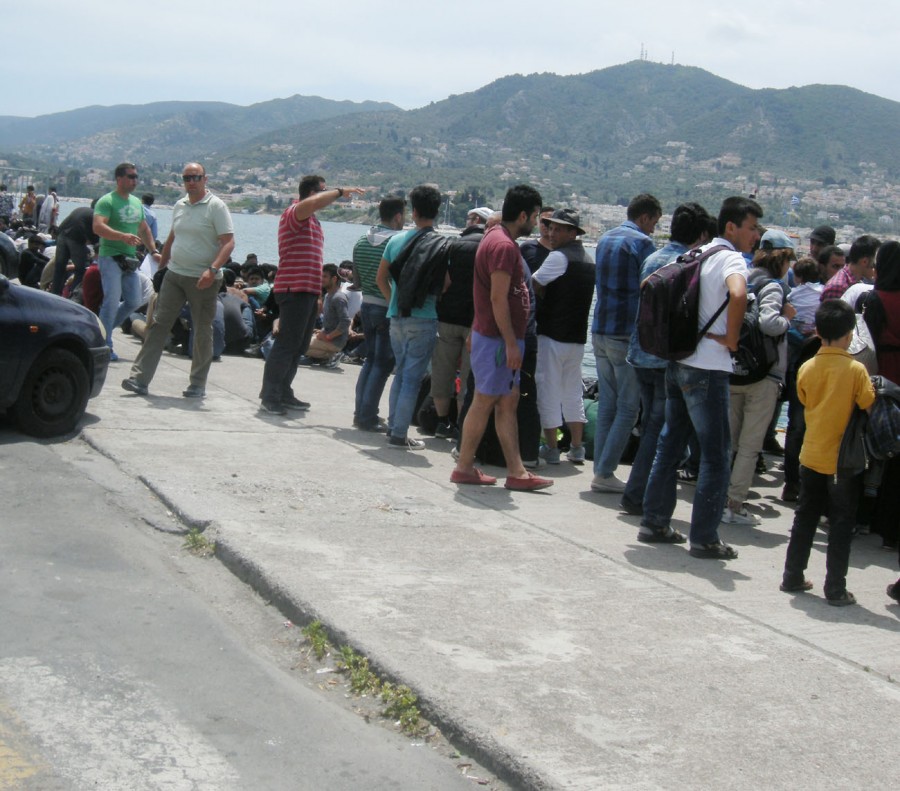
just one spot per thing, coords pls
(805, 296)
(829, 386)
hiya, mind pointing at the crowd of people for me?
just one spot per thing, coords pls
(498, 329)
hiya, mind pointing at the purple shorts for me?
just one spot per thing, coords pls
(492, 377)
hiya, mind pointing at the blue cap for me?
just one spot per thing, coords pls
(776, 240)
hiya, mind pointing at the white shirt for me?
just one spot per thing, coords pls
(712, 355)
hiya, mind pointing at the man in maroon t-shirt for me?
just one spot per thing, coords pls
(498, 342)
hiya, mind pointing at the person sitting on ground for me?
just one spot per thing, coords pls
(32, 261)
(829, 386)
(256, 288)
(331, 339)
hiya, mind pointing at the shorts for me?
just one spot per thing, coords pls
(492, 377)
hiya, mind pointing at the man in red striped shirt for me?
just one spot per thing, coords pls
(298, 284)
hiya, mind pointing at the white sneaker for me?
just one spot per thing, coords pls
(576, 455)
(607, 484)
(741, 517)
(534, 464)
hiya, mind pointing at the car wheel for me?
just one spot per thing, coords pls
(54, 395)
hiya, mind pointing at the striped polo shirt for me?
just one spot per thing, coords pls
(300, 254)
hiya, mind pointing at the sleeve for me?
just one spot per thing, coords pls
(865, 392)
(222, 219)
(771, 300)
(554, 266)
(103, 207)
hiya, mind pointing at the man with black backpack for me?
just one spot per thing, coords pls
(410, 276)
(697, 393)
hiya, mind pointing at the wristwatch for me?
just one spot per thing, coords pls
(213, 269)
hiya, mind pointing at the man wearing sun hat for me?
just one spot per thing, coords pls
(564, 286)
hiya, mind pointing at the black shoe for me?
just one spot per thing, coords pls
(132, 385)
(771, 445)
(295, 403)
(378, 427)
(632, 508)
(717, 551)
(667, 535)
(845, 599)
(761, 468)
(272, 408)
(790, 493)
(446, 431)
(194, 391)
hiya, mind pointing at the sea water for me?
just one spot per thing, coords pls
(258, 233)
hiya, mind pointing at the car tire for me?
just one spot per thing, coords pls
(54, 395)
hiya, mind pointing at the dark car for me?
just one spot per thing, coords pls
(53, 357)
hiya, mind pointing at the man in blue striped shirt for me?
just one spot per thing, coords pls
(620, 253)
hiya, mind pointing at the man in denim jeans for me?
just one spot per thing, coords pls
(412, 336)
(119, 222)
(620, 253)
(697, 394)
(367, 255)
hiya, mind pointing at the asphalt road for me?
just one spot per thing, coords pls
(127, 664)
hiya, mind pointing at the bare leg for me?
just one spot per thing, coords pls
(577, 432)
(473, 430)
(508, 433)
(550, 437)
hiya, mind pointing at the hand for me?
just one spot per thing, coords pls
(513, 357)
(353, 191)
(723, 339)
(788, 311)
(206, 279)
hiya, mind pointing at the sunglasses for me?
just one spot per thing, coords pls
(192, 178)
(133, 176)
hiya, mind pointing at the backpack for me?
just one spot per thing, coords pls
(419, 269)
(883, 426)
(756, 352)
(669, 308)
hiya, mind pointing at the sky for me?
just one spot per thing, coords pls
(105, 52)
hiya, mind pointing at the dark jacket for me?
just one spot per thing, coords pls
(419, 269)
(562, 311)
(457, 305)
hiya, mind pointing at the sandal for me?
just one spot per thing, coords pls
(843, 600)
(717, 551)
(806, 585)
(667, 535)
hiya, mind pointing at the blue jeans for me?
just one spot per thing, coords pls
(379, 363)
(697, 398)
(653, 406)
(413, 342)
(121, 295)
(618, 399)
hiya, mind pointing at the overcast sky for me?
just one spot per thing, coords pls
(62, 54)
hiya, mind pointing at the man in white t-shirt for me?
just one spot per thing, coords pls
(697, 394)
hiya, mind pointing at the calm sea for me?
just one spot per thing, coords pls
(258, 233)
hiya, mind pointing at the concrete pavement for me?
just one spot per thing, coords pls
(559, 650)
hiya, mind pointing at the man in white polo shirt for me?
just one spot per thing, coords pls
(199, 244)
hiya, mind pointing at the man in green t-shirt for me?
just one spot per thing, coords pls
(119, 222)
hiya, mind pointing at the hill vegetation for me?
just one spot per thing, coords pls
(592, 138)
